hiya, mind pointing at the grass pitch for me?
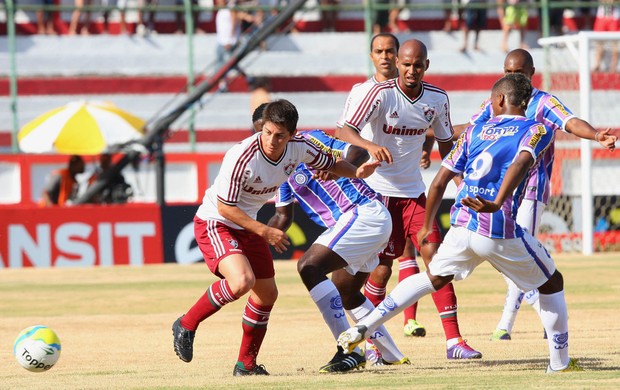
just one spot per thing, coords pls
(115, 328)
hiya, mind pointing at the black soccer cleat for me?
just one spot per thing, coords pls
(183, 341)
(240, 370)
(343, 362)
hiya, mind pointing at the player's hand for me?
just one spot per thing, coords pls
(422, 235)
(425, 161)
(277, 239)
(380, 153)
(606, 139)
(480, 205)
(367, 169)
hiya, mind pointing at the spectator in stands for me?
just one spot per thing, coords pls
(45, 19)
(116, 189)
(146, 27)
(228, 34)
(448, 12)
(512, 16)
(556, 20)
(75, 18)
(121, 5)
(394, 16)
(62, 186)
(607, 19)
(476, 20)
(329, 16)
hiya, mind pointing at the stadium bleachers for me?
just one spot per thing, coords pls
(313, 70)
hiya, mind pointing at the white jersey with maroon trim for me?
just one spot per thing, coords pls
(358, 91)
(248, 178)
(399, 124)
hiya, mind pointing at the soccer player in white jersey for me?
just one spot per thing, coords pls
(548, 110)
(234, 244)
(383, 51)
(494, 158)
(399, 112)
(358, 227)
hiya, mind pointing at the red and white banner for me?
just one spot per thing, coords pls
(80, 236)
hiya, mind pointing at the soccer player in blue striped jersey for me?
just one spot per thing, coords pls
(550, 111)
(495, 158)
(358, 227)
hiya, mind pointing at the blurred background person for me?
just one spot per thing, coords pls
(474, 19)
(45, 19)
(76, 16)
(62, 187)
(116, 189)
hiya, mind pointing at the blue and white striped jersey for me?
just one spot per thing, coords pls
(483, 154)
(324, 201)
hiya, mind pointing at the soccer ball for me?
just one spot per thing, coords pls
(37, 348)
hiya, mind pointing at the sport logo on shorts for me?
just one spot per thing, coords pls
(234, 243)
(300, 178)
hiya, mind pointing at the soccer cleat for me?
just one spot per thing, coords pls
(463, 351)
(371, 353)
(183, 341)
(351, 338)
(573, 365)
(384, 362)
(414, 328)
(342, 362)
(240, 370)
(500, 334)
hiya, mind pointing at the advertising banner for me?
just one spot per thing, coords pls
(80, 236)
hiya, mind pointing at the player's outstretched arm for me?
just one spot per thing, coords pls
(350, 135)
(583, 129)
(343, 168)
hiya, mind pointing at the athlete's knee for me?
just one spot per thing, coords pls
(241, 283)
(352, 299)
(381, 274)
(553, 285)
(439, 282)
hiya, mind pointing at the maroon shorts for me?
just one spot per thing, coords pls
(217, 241)
(407, 220)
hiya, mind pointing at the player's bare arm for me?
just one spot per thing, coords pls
(274, 237)
(459, 129)
(583, 129)
(343, 168)
(515, 174)
(283, 217)
(350, 135)
(435, 194)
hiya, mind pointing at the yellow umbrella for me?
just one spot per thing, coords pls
(85, 128)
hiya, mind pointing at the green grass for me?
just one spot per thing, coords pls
(114, 325)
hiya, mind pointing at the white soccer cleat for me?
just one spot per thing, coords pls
(351, 338)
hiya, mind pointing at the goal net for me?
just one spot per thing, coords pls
(583, 214)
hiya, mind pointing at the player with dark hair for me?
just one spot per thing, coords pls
(390, 121)
(495, 158)
(358, 228)
(548, 110)
(234, 244)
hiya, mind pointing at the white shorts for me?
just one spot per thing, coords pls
(524, 260)
(359, 236)
(530, 214)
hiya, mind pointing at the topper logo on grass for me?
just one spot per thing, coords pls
(75, 244)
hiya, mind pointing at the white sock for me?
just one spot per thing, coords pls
(531, 297)
(381, 338)
(328, 300)
(514, 297)
(554, 317)
(406, 292)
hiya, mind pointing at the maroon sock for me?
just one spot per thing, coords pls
(254, 324)
(408, 266)
(374, 292)
(445, 301)
(217, 295)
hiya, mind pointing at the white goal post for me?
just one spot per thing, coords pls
(575, 71)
